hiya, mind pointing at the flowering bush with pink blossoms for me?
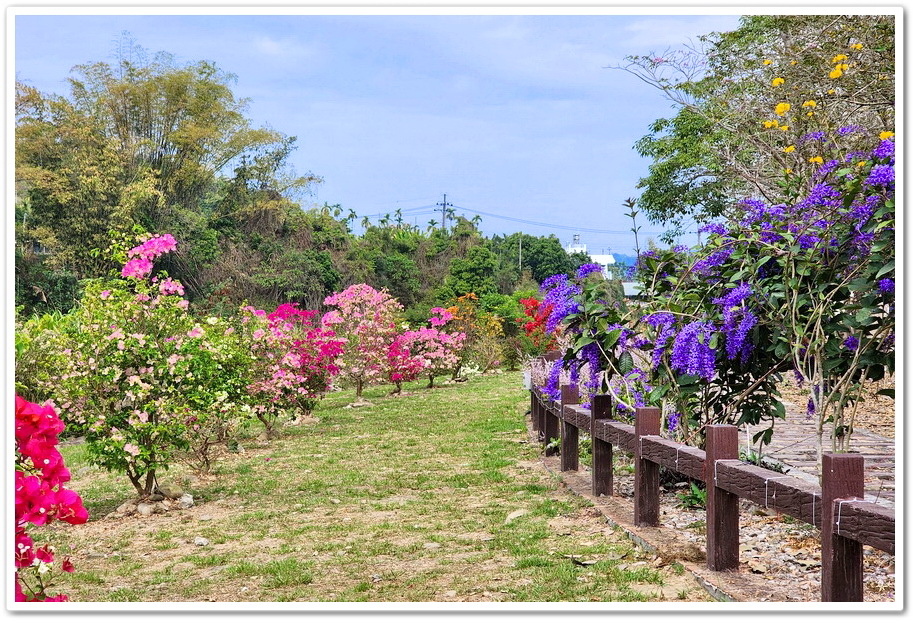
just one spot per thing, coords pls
(140, 373)
(439, 351)
(404, 366)
(294, 360)
(40, 498)
(368, 320)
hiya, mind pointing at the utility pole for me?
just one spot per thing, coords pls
(519, 252)
(444, 205)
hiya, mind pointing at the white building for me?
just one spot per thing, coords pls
(605, 260)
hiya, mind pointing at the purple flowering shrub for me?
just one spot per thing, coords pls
(804, 286)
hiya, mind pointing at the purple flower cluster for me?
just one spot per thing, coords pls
(588, 269)
(714, 228)
(738, 320)
(691, 353)
(821, 196)
(828, 167)
(673, 420)
(560, 293)
(850, 129)
(819, 137)
(551, 387)
(664, 322)
(851, 342)
(706, 265)
(886, 286)
(885, 149)
(881, 175)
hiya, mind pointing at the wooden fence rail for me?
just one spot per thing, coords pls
(851, 521)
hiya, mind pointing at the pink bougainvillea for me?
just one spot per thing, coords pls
(294, 359)
(403, 365)
(140, 264)
(368, 320)
(440, 351)
(40, 497)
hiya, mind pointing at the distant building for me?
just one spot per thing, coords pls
(605, 260)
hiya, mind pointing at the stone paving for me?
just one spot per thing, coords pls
(795, 446)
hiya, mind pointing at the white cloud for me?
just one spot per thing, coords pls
(285, 49)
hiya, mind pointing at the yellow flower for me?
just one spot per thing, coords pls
(816, 159)
(809, 104)
(838, 58)
(770, 124)
(836, 73)
(789, 149)
(842, 67)
(793, 62)
(885, 135)
(782, 108)
(860, 163)
(767, 62)
(783, 127)
(788, 171)
(855, 46)
(831, 92)
(778, 81)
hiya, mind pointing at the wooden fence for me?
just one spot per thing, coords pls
(839, 503)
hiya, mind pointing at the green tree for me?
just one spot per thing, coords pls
(474, 272)
(155, 144)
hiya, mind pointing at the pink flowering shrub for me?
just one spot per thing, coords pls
(140, 373)
(439, 351)
(294, 360)
(140, 264)
(368, 320)
(40, 498)
(403, 365)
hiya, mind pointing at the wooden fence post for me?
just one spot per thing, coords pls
(721, 506)
(843, 477)
(535, 419)
(602, 451)
(645, 504)
(569, 439)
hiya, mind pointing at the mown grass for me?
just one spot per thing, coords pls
(429, 496)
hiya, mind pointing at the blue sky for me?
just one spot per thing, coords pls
(515, 115)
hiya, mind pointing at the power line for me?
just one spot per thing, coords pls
(552, 225)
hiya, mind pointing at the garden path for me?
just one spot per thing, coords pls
(795, 446)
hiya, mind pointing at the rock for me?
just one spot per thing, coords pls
(171, 491)
(145, 509)
(186, 500)
(431, 546)
(161, 507)
(515, 514)
(201, 541)
(205, 518)
(127, 508)
(156, 497)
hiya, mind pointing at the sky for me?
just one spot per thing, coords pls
(520, 116)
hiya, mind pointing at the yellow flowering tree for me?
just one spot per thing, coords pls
(762, 108)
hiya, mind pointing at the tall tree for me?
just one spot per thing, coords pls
(148, 144)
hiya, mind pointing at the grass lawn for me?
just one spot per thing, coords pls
(433, 495)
